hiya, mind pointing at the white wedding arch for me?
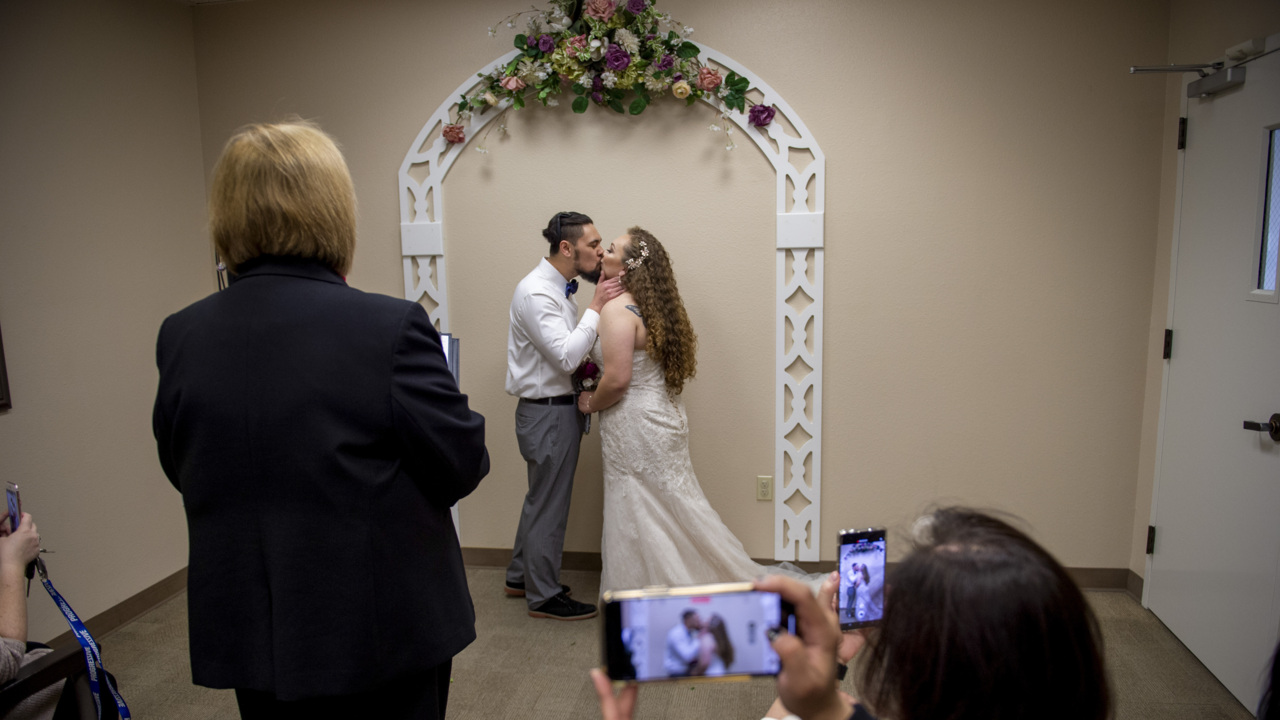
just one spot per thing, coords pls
(799, 254)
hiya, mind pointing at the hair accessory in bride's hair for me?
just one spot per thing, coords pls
(636, 262)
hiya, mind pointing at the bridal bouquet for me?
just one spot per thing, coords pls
(620, 54)
(585, 379)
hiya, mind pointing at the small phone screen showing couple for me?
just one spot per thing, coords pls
(861, 595)
(14, 502)
(667, 634)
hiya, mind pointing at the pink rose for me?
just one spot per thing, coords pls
(708, 79)
(513, 83)
(601, 10)
(454, 134)
(575, 45)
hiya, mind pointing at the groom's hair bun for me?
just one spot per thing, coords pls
(565, 226)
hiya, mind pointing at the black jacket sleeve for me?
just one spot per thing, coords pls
(442, 439)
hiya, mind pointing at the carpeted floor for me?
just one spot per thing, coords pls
(525, 669)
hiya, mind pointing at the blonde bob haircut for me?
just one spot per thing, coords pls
(283, 189)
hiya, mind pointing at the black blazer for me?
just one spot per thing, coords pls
(318, 440)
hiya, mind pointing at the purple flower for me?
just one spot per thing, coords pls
(546, 43)
(677, 77)
(666, 63)
(531, 41)
(597, 82)
(635, 7)
(599, 98)
(616, 58)
(761, 115)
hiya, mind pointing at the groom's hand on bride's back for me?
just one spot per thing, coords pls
(606, 291)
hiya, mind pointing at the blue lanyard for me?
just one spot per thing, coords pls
(92, 657)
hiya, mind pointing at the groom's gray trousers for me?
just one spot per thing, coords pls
(549, 436)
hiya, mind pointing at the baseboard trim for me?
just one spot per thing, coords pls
(1134, 586)
(128, 609)
(1086, 578)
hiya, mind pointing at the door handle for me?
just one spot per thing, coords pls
(1272, 427)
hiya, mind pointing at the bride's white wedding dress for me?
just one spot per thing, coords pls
(659, 528)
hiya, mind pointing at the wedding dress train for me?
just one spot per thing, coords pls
(659, 528)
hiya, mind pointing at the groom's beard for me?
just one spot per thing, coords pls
(591, 276)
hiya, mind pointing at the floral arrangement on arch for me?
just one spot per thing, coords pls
(617, 54)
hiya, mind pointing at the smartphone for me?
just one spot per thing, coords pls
(862, 565)
(14, 503)
(703, 631)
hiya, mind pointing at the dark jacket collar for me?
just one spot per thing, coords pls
(287, 265)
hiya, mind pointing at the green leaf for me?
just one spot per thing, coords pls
(580, 105)
(578, 89)
(511, 66)
(690, 100)
(517, 101)
(616, 105)
(543, 93)
(531, 52)
(672, 37)
(638, 105)
(688, 50)
(521, 42)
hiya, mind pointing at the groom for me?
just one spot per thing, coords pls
(545, 344)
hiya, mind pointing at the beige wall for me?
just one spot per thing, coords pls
(103, 236)
(992, 195)
(1196, 35)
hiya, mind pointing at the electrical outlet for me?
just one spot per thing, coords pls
(764, 487)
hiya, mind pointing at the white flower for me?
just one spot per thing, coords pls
(713, 127)
(627, 40)
(608, 78)
(688, 30)
(598, 48)
(722, 90)
(655, 84)
(526, 69)
(492, 32)
(482, 149)
(511, 23)
(552, 102)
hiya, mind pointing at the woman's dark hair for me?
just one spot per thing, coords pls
(724, 647)
(982, 623)
(564, 226)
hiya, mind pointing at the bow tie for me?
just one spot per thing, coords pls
(570, 288)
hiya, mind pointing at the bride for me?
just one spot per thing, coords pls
(659, 528)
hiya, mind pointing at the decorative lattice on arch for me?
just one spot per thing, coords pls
(799, 257)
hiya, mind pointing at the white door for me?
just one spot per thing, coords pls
(1215, 573)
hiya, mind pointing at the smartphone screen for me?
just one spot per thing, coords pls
(710, 634)
(14, 502)
(862, 565)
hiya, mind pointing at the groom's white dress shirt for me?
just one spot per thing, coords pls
(682, 649)
(546, 341)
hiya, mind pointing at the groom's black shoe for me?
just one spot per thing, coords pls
(516, 589)
(563, 607)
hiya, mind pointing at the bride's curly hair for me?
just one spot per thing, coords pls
(650, 279)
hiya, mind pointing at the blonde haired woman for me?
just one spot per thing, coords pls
(659, 528)
(318, 440)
